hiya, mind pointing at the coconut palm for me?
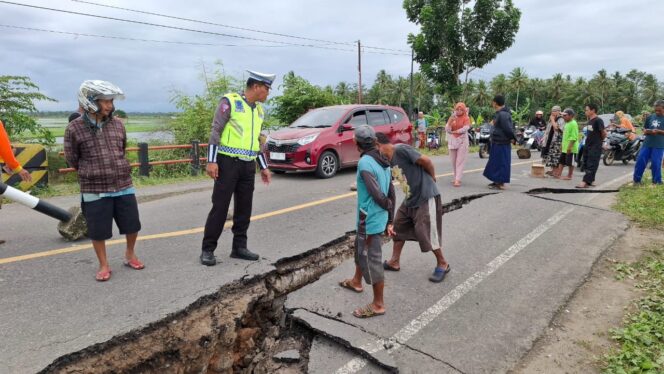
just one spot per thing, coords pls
(518, 80)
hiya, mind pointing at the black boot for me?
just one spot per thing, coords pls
(244, 254)
(208, 259)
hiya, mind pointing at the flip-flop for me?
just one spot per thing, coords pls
(103, 276)
(583, 187)
(134, 264)
(565, 178)
(388, 267)
(496, 187)
(366, 312)
(439, 274)
(346, 284)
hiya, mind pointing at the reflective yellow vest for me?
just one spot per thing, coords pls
(240, 136)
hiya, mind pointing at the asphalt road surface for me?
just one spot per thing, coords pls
(515, 257)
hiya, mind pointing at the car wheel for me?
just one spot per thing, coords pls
(609, 157)
(328, 165)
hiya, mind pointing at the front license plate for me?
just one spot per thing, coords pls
(278, 156)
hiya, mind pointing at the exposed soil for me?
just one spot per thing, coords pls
(579, 334)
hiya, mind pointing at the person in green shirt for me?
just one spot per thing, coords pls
(570, 145)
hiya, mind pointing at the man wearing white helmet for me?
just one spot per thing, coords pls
(538, 121)
(95, 145)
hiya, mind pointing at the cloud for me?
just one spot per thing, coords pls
(566, 36)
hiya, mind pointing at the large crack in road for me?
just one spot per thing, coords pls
(236, 329)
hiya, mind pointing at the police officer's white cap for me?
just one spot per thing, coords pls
(267, 79)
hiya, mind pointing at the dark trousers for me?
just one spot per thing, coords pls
(236, 179)
(591, 156)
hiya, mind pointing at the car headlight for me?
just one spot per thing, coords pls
(307, 139)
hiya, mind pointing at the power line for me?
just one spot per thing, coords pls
(235, 27)
(142, 40)
(131, 39)
(181, 28)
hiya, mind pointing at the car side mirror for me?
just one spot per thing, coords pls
(347, 127)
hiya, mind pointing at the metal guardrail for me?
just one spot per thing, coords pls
(144, 164)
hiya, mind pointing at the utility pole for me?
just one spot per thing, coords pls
(410, 101)
(359, 71)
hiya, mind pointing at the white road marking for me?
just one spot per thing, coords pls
(417, 324)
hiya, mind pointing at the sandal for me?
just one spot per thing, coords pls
(439, 274)
(103, 276)
(347, 285)
(496, 187)
(388, 267)
(134, 264)
(583, 186)
(366, 312)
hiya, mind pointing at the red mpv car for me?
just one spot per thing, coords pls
(322, 139)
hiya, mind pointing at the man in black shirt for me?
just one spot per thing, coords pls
(592, 151)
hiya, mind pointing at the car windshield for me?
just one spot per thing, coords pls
(322, 117)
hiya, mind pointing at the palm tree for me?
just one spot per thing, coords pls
(400, 91)
(650, 89)
(382, 86)
(342, 90)
(603, 83)
(481, 96)
(557, 85)
(499, 84)
(518, 80)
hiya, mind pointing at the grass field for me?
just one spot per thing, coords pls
(135, 123)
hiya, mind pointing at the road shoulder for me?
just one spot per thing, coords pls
(579, 335)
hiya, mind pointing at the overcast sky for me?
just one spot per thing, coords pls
(570, 37)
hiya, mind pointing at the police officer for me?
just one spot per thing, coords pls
(233, 152)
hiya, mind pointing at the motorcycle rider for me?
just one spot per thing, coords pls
(626, 124)
(538, 121)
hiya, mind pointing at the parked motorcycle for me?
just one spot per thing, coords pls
(433, 140)
(529, 137)
(484, 139)
(618, 147)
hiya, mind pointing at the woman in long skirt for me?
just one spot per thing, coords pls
(555, 133)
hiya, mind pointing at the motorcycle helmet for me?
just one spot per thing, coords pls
(93, 90)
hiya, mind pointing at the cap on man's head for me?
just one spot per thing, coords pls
(364, 134)
(555, 108)
(266, 79)
(539, 112)
(569, 111)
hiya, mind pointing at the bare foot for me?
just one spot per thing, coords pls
(565, 178)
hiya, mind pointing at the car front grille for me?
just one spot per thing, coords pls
(285, 148)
